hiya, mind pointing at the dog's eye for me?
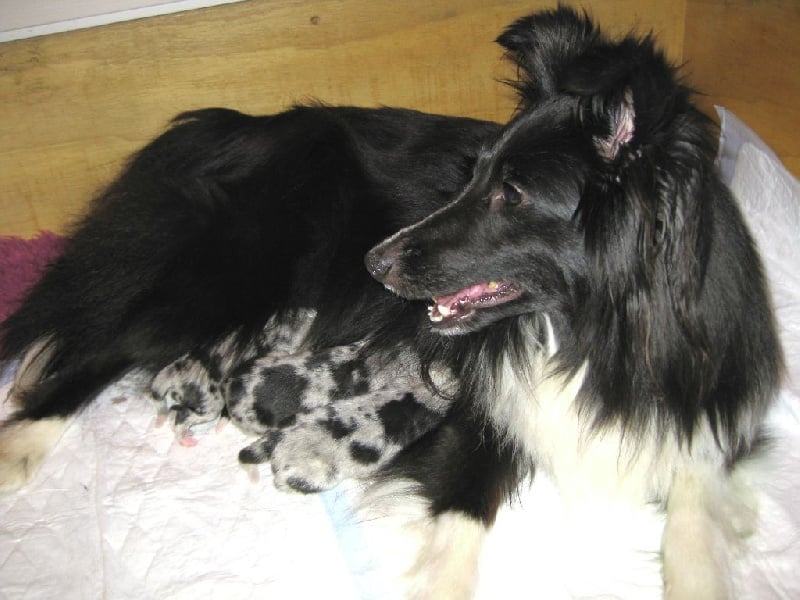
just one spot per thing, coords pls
(507, 195)
(511, 195)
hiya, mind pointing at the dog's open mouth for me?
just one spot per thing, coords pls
(450, 309)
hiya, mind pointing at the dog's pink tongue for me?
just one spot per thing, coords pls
(465, 302)
(471, 293)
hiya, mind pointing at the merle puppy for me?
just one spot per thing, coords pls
(320, 416)
(598, 307)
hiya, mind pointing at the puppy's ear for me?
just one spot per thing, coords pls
(543, 46)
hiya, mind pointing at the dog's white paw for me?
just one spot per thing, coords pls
(698, 540)
(447, 563)
(23, 446)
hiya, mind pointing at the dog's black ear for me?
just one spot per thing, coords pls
(614, 123)
(543, 46)
(630, 95)
(654, 146)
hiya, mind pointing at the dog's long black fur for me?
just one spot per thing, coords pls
(590, 256)
(227, 220)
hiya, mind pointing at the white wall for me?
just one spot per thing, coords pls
(28, 18)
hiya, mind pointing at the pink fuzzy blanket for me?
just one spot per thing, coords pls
(21, 264)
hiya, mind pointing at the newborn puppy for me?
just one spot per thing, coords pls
(320, 416)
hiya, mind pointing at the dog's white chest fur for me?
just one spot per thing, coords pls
(538, 411)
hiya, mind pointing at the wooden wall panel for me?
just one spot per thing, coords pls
(73, 105)
(745, 55)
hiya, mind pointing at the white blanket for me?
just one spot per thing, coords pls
(121, 511)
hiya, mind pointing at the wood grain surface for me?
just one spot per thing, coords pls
(745, 55)
(74, 105)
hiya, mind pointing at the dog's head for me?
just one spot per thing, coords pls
(578, 195)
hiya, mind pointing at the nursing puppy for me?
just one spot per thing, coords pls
(599, 311)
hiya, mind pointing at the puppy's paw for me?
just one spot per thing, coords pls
(261, 450)
(299, 462)
(304, 464)
(23, 446)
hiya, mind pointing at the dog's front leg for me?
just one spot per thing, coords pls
(437, 501)
(708, 513)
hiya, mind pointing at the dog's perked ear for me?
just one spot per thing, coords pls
(629, 91)
(612, 137)
(655, 153)
(544, 46)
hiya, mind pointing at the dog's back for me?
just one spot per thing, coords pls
(219, 225)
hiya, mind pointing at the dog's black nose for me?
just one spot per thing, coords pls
(378, 264)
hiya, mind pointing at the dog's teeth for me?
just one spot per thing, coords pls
(444, 310)
(492, 285)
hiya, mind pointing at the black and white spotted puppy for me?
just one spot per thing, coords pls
(321, 416)
(330, 415)
(192, 387)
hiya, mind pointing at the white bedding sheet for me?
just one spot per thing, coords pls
(120, 511)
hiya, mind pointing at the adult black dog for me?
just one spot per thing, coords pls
(599, 311)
